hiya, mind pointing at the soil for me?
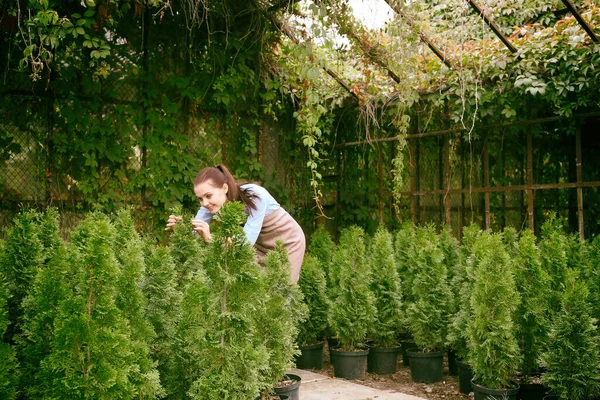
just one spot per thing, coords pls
(402, 382)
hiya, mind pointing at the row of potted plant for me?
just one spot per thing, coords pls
(107, 314)
(519, 312)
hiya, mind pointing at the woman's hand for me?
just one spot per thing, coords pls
(203, 229)
(173, 219)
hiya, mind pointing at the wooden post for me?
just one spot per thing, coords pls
(579, 179)
(413, 184)
(380, 197)
(486, 183)
(446, 182)
(530, 179)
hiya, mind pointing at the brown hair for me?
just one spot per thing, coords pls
(219, 175)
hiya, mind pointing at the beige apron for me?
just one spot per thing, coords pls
(279, 225)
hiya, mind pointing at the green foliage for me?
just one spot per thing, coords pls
(162, 309)
(462, 286)
(352, 309)
(572, 354)
(493, 347)
(19, 262)
(313, 285)
(322, 247)
(385, 286)
(9, 366)
(92, 355)
(404, 242)
(49, 287)
(221, 353)
(428, 310)
(129, 252)
(531, 319)
(285, 311)
(555, 246)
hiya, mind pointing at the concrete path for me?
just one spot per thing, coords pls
(320, 387)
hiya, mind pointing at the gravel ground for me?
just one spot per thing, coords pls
(403, 383)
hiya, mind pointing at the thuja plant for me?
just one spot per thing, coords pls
(554, 246)
(160, 288)
(187, 254)
(352, 310)
(48, 288)
(322, 248)
(92, 351)
(404, 240)
(428, 312)
(312, 284)
(533, 284)
(594, 277)
(129, 253)
(9, 367)
(385, 286)
(278, 325)
(221, 352)
(462, 286)
(23, 255)
(493, 347)
(572, 354)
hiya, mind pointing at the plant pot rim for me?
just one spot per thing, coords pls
(376, 349)
(312, 345)
(514, 389)
(424, 354)
(293, 377)
(351, 353)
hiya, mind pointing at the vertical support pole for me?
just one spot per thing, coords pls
(380, 197)
(446, 182)
(579, 178)
(486, 183)
(530, 179)
(413, 184)
(145, 67)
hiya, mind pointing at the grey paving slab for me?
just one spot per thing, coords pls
(321, 387)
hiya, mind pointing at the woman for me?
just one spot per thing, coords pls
(267, 221)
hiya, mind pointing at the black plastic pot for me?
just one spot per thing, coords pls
(382, 360)
(292, 391)
(426, 367)
(405, 345)
(465, 375)
(483, 393)
(349, 364)
(452, 367)
(311, 356)
(532, 391)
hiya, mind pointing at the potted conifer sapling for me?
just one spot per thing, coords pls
(492, 337)
(385, 286)
(311, 342)
(428, 312)
(352, 310)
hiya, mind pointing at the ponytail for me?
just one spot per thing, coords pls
(220, 175)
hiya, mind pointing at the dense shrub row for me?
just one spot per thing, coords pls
(107, 314)
(514, 307)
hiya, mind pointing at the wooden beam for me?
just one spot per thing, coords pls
(422, 35)
(484, 127)
(285, 29)
(492, 26)
(498, 189)
(586, 27)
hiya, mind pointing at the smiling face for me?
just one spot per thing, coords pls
(211, 197)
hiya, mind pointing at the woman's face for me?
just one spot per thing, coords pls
(211, 197)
